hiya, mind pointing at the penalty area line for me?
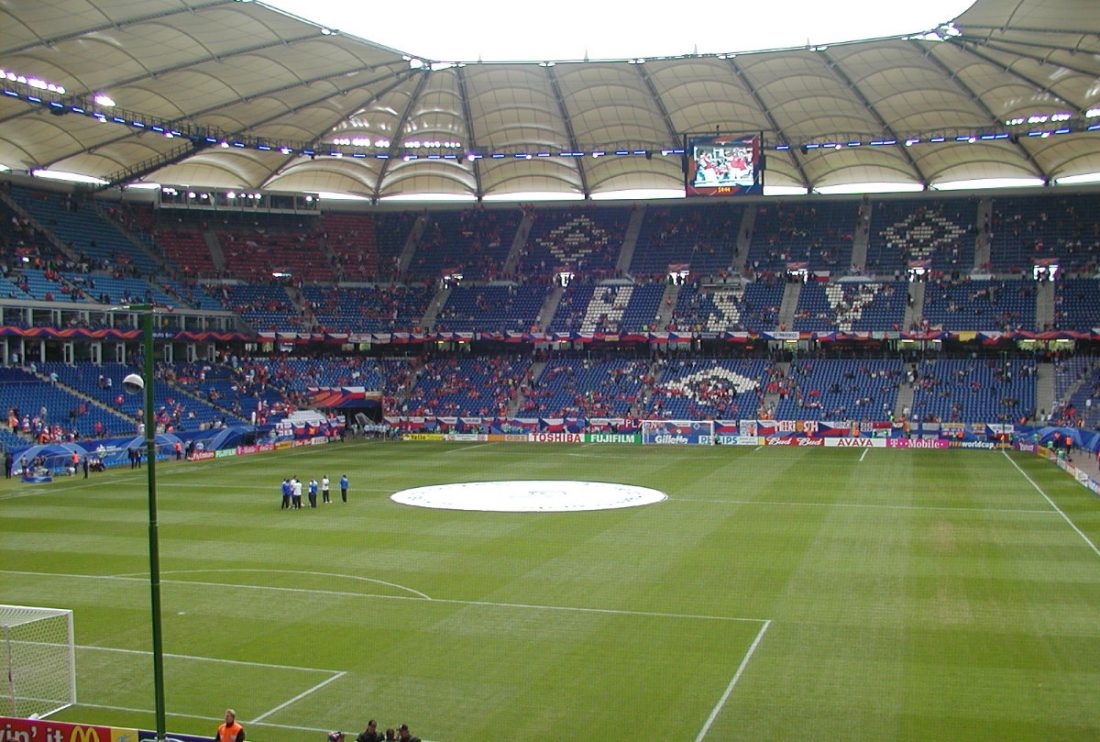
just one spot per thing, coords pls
(297, 698)
(733, 682)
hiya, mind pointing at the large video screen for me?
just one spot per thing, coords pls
(724, 165)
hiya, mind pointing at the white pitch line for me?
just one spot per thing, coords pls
(468, 448)
(371, 580)
(374, 596)
(297, 698)
(128, 709)
(733, 681)
(1057, 509)
(864, 454)
(218, 660)
(864, 505)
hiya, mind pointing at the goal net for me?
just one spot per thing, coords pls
(39, 660)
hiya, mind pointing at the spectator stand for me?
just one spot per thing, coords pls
(1026, 229)
(473, 242)
(841, 389)
(938, 234)
(585, 240)
(497, 307)
(851, 307)
(819, 235)
(701, 236)
(954, 390)
(585, 388)
(708, 388)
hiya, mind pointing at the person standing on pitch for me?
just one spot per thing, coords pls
(296, 492)
(344, 488)
(230, 731)
(325, 490)
(313, 493)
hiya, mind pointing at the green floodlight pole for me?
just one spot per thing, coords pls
(154, 547)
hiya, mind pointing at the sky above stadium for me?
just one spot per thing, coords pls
(445, 30)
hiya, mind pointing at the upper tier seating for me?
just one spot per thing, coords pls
(819, 235)
(733, 308)
(851, 307)
(1028, 228)
(353, 243)
(370, 308)
(701, 236)
(80, 225)
(488, 308)
(266, 307)
(259, 255)
(940, 232)
(586, 240)
(473, 242)
(1077, 304)
(980, 305)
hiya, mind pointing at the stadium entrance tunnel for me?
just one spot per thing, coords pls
(529, 496)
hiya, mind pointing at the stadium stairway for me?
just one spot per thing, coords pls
(771, 399)
(216, 254)
(904, 403)
(1044, 305)
(549, 309)
(408, 250)
(630, 240)
(983, 243)
(519, 398)
(744, 240)
(1044, 389)
(435, 307)
(862, 238)
(668, 305)
(515, 252)
(915, 308)
(787, 309)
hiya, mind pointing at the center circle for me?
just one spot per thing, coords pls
(529, 496)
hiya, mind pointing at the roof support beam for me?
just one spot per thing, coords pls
(334, 121)
(1017, 74)
(673, 136)
(399, 133)
(1021, 149)
(195, 115)
(471, 137)
(835, 67)
(968, 43)
(109, 25)
(739, 75)
(573, 144)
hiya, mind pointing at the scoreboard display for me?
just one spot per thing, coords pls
(723, 165)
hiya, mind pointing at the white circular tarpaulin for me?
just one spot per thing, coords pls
(529, 496)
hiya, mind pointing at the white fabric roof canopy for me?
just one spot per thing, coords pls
(247, 71)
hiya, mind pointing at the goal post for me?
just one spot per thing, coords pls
(38, 654)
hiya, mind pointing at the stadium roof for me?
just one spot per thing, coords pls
(231, 94)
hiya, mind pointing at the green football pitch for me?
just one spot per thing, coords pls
(777, 594)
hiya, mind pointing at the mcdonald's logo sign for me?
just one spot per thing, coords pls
(85, 734)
